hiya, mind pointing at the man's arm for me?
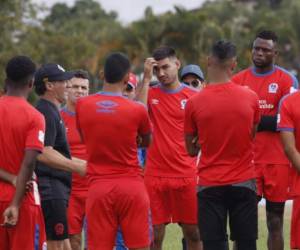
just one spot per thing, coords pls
(54, 159)
(192, 145)
(12, 212)
(289, 145)
(143, 88)
(144, 140)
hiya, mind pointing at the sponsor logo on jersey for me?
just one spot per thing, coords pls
(154, 101)
(264, 105)
(273, 87)
(183, 103)
(106, 106)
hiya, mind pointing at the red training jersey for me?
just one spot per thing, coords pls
(78, 149)
(223, 117)
(110, 124)
(270, 88)
(289, 120)
(167, 155)
(22, 127)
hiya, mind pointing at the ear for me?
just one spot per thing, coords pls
(30, 84)
(233, 64)
(101, 75)
(178, 63)
(126, 78)
(49, 85)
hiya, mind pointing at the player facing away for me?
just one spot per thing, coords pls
(112, 127)
(55, 165)
(21, 140)
(223, 118)
(79, 87)
(289, 127)
(170, 174)
(271, 83)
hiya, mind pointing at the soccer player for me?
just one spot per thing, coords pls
(21, 140)
(79, 87)
(271, 83)
(170, 173)
(289, 127)
(110, 124)
(223, 117)
(193, 76)
(54, 165)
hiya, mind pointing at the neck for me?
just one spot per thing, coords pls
(172, 86)
(218, 77)
(263, 70)
(70, 106)
(17, 93)
(113, 88)
(47, 96)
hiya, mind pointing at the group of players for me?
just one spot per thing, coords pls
(213, 151)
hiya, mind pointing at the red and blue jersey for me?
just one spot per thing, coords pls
(77, 147)
(110, 124)
(167, 155)
(270, 88)
(223, 117)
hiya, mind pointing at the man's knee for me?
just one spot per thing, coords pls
(191, 232)
(159, 233)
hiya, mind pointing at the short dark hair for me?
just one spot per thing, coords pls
(267, 35)
(80, 73)
(116, 66)
(19, 71)
(163, 52)
(223, 50)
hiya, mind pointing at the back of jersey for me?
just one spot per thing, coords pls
(110, 124)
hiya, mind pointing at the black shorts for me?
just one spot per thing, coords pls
(55, 215)
(215, 204)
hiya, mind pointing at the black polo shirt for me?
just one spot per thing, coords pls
(53, 183)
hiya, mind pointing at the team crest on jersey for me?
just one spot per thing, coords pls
(273, 87)
(41, 136)
(154, 101)
(183, 103)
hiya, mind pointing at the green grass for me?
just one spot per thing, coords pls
(174, 235)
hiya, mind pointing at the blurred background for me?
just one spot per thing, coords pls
(80, 33)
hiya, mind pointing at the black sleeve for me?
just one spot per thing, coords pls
(51, 129)
(267, 123)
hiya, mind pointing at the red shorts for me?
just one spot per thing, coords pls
(113, 202)
(295, 225)
(76, 212)
(273, 181)
(172, 200)
(28, 234)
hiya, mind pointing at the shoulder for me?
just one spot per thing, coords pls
(291, 98)
(286, 75)
(189, 90)
(241, 74)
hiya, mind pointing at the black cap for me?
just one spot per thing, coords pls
(52, 72)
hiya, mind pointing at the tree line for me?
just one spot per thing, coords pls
(80, 36)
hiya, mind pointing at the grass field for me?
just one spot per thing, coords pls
(173, 234)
